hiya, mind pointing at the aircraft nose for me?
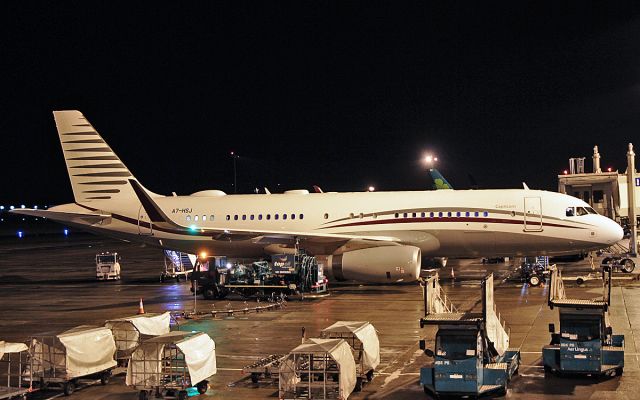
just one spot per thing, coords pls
(611, 231)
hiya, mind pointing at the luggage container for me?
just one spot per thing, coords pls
(363, 339)
(13, 358)
(81, 353)
(129, 332)
(169, 364)
(318, 369)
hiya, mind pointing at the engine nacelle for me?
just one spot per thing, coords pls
(385, 264)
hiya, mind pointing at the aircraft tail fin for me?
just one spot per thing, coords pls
(439, 182)
(97, 175)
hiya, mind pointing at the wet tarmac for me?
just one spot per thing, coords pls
(48, 286)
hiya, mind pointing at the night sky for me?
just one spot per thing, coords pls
(337, 94)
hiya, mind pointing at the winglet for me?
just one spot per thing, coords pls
(317, 189)
(152, 209)
(525, 186)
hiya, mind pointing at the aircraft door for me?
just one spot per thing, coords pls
(533, 214)
(145, 226)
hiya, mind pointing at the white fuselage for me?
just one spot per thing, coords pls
(444, 223)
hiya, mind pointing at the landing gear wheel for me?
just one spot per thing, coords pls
(534, 280)
(627, 266)
(104, 378)
(143, 395)
(202, 387)
(69, 387)
(210, 293)
(182, 395)
(255, 377)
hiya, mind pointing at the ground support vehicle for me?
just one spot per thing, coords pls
(318, 369)
(129, 332)
(472, 355)
(287, 274)
(265, 367)
(363, 340)
(177, 265)
(169, 364)
(107, 266)
(585, 343)
(81, 353)
(534, 270)
(13, 358)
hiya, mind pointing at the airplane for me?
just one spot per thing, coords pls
(364, 236)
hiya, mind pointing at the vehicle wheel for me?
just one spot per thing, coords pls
(580, 280)
(69, 387)
(104, 378)
(255, 377)
(143, 395)
(162, 278)
(628, 266)
(358, 387)
(182, 395)
(370, 376)
(619, 371)
(534, 280)
(178, 278)
(605, 261)
(202, 387)
(209, 293)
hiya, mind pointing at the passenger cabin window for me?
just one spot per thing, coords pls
(326, 216)
(486, 213)
(570, 212)
(302, 216)
(259, 217)
(284, 216)
(204, 218)
(211, 217)
(235, 217)
(228, 217)
(195, 218)
(188, 217)
(293, 216)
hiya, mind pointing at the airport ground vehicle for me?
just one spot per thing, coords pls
(177, 265)
(318, 369)
(78, 354)
(286, 274)
(472, 354)
(107, 266)
(585, 343)
(363, 340)
(13, 357)
(534, 270)
(129, 332)
(168, 364)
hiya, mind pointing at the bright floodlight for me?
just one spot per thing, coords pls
(430, 159)
(371, 188)
(203, 255)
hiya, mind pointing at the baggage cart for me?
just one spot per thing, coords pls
(13, 358)
(265, 367)
(129, 332)
(363, 339)
(168, 364)
(81, 353)
(318, 369)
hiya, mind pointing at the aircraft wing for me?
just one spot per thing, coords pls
(63, 216)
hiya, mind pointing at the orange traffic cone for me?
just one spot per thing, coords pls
(141, 307)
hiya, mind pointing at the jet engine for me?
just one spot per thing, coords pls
(386, 264)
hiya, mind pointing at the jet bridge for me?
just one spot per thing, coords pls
(585, 343)
(472, 354)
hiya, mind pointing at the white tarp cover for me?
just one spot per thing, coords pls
(495, 331)
(127, 330)
(366, 334)
(8, 347)
(338, 349)
(145, 367)
(88, 350)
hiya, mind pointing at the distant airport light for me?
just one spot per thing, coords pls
(66, 232)
(22, 206)
(1, 207)
(609, 169)
(430, 159)
(11, 208)
(229, 265)
(565, 172)
(20, 234)
(372, 189)
(35, 207)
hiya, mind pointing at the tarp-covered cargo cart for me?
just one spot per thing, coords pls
(13, 358)
(129, 332)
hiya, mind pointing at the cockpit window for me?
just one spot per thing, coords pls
(581, 211)
(591, 210)
(571, 211)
